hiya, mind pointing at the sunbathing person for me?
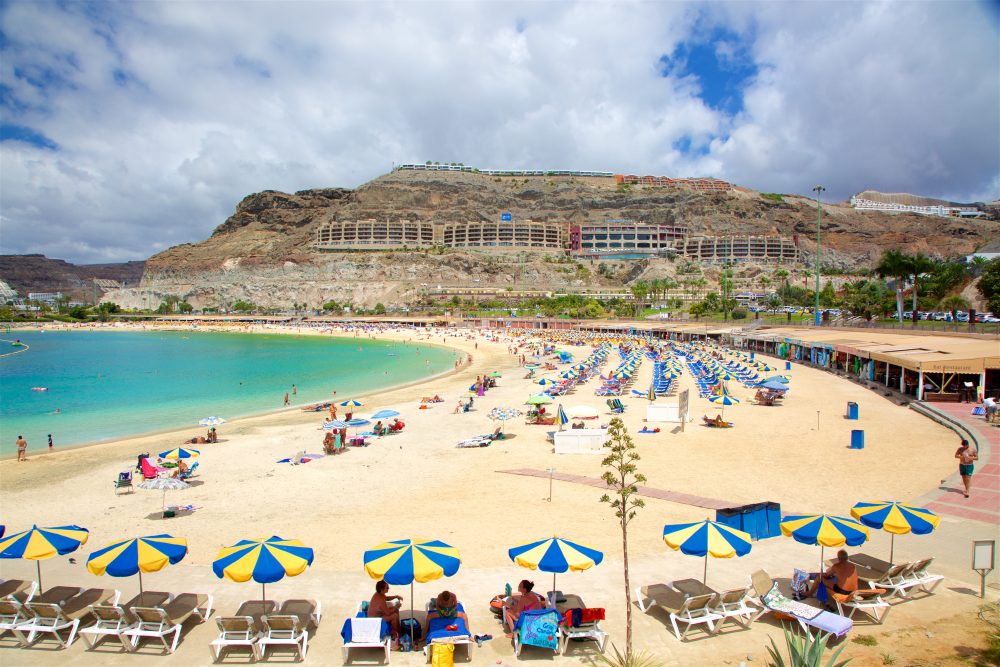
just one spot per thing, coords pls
(379, 606)
(526, 601)
(841, 578)
(445, 607)
(718, 421)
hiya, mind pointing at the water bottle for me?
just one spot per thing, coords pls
(507, 590)
(404, 643)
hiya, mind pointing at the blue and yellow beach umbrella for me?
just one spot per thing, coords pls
(895, 518)
(263, 560)
(137, 555)
(351, 404)
(555, 555)
(180, 453)
(561, 417)
(707, 538)
(403, 562)
(824, 530)
(40, 544)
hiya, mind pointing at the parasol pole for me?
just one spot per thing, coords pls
(411, 624)
(704, 573)
(38, 565)
(892, 547)
(140, 585)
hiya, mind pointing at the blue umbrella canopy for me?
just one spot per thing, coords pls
(707, 538)
(896, 519)
(554, 555)
(334, 423)
(357, 422)
(773, 385)
(39, 544)
(137, 555)
(824, 530)
(351, 404)
(263, 560)
(385, 414)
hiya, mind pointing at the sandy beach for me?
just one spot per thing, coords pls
(418, 484)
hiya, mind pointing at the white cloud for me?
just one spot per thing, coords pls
(167, 114)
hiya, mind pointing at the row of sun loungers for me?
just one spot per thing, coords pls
(691, 604)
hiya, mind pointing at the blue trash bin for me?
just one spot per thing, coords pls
(788, 365)
(760, 521)
(729, 517)
(748, 521)
(852, 410)
(857, 439)
(773, 519)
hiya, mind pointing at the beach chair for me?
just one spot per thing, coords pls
(692, 611)
(809, 618)
(12, 614)
(18, 589)
(616, 406)
(115, 620)
(580, 622)
(366, 633)
(896, 578)
(243, 630)
(438, 633)
(537, 627)
(735, 604)
(867, 600)
(52, 618)
(290, 627)
(124, 481)
(159, 622)
(921, 578)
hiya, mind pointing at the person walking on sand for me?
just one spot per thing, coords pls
(286, 398)
(966, 456)
(22, 448)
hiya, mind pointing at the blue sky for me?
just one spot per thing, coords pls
(126, 128)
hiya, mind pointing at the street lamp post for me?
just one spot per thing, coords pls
(819, 209)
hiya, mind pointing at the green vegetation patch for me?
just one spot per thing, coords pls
(773, 196)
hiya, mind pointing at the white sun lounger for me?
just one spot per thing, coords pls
(159, 622)
(367, 633)
(18, 589)
(242, 630)
(290, 627)
(735, 604)
(115, 620)
(51, 618)
(809, 618)
(691, 611)
(584, 630)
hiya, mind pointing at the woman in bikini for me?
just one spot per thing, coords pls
(526, 601)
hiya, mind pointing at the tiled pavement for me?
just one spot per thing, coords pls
(948, 499)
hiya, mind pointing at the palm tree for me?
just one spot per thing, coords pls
(918, 265)
(639, 291)
(895, 264)
(955, 303)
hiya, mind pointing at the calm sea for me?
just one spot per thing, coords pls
(109, 384)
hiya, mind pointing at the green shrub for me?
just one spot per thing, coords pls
(804, 652)
(773, 196)
(739, 313)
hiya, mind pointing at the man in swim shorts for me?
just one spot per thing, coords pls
(966, 456)
(22, 448)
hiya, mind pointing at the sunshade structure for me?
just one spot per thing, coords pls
(495, 374)
(555, 555)
(384, 414)
(824, 530)
(212, 421)
(403, 562)
(773, 385)
(651, 394)
(137, 555)
(351, 404)
(503, 415)
(164, 484)
(40, 544)
(707, 538)
(180, 453)
(263, 560)
(896, 519)
(539, 399)
(546, 382)
(724, 400)
(561, 417)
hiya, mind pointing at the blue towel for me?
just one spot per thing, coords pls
(539, 627)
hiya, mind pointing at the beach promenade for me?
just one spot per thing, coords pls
(418, 484)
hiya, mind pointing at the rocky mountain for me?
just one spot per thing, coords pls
(263, 253)
(38, 273)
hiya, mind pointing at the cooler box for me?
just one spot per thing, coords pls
(852, 410)
(857, 439)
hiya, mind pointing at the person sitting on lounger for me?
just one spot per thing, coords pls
(841, 578)
(445, 607)
(380, 606)
(526, 601)
(379, 429)
(718, 421)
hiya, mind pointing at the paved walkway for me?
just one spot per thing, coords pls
(647, 491)
(948, 499)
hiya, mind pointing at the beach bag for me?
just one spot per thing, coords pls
(800, 584)
(442, 655)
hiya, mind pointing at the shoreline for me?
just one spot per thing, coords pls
(44, 451)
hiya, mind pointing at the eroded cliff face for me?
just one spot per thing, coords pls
(263, 252)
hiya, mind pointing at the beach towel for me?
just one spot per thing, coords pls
(979, 411)
(825, 621)
(365, 630)
(539, 628)
(574, 618)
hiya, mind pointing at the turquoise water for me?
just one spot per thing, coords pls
(109, 384)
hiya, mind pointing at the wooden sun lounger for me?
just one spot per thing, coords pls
(19, 589)
(290, 626)
(691, 611)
